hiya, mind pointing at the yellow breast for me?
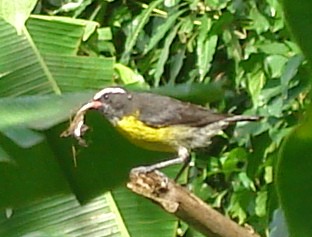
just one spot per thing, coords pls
(157, 139)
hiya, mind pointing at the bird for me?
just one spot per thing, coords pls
(157, 122)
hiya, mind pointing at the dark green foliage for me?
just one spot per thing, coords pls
(233, 56)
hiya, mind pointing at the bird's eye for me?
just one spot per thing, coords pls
(106, 96)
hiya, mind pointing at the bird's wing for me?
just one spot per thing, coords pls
(162, 111)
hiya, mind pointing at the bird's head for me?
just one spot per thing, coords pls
(115, 102)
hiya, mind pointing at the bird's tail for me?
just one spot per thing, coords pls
(238, 118)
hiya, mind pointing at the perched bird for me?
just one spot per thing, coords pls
(157, 122)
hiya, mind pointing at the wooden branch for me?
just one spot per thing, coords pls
(186, 206)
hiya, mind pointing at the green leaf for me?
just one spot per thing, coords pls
(58, 23)
(298, 17)
(136, 210)
(261, 203)
(136, 27)
(45, 60)
(25, 179)
(74, 73)
(238, 205)
(128, 76)
(256, 159)
(176, 64)
(234, 157)
(42, 70)
(206, 46)
(162, 29)
(291, 69)
(255, 84)
(274, 48)
(293, 170)
(163, 57)
(104, 33)
(22, 136)
(40, 112)
(278, 227)
(62, 215)
(60, 35)
(275, 65)
(16, 12)
(27, 59)
(261, 24)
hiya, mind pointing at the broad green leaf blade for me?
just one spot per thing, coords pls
(136, 27)
(40, 112)
(70, 30)
(54, 35)
(294, 165)
(62, 215)
(298, 17)
(16, 12)
(142, 217)
(22, 136)
(22, 68)
(293, 171)
(35, 64)
(33, 174)
(74, 73)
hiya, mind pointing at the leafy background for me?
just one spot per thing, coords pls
(233, 56)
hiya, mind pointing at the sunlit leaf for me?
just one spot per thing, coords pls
(16, 12)
(45, 60)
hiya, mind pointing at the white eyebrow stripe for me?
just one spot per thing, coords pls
(109, 90)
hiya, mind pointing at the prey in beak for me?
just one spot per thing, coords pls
(77, 128)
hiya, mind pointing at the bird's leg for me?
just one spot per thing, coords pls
(185, 164)
(183, 157)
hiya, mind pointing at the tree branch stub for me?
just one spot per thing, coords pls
(180, 202)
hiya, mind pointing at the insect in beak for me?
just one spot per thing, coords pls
(77, 127)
